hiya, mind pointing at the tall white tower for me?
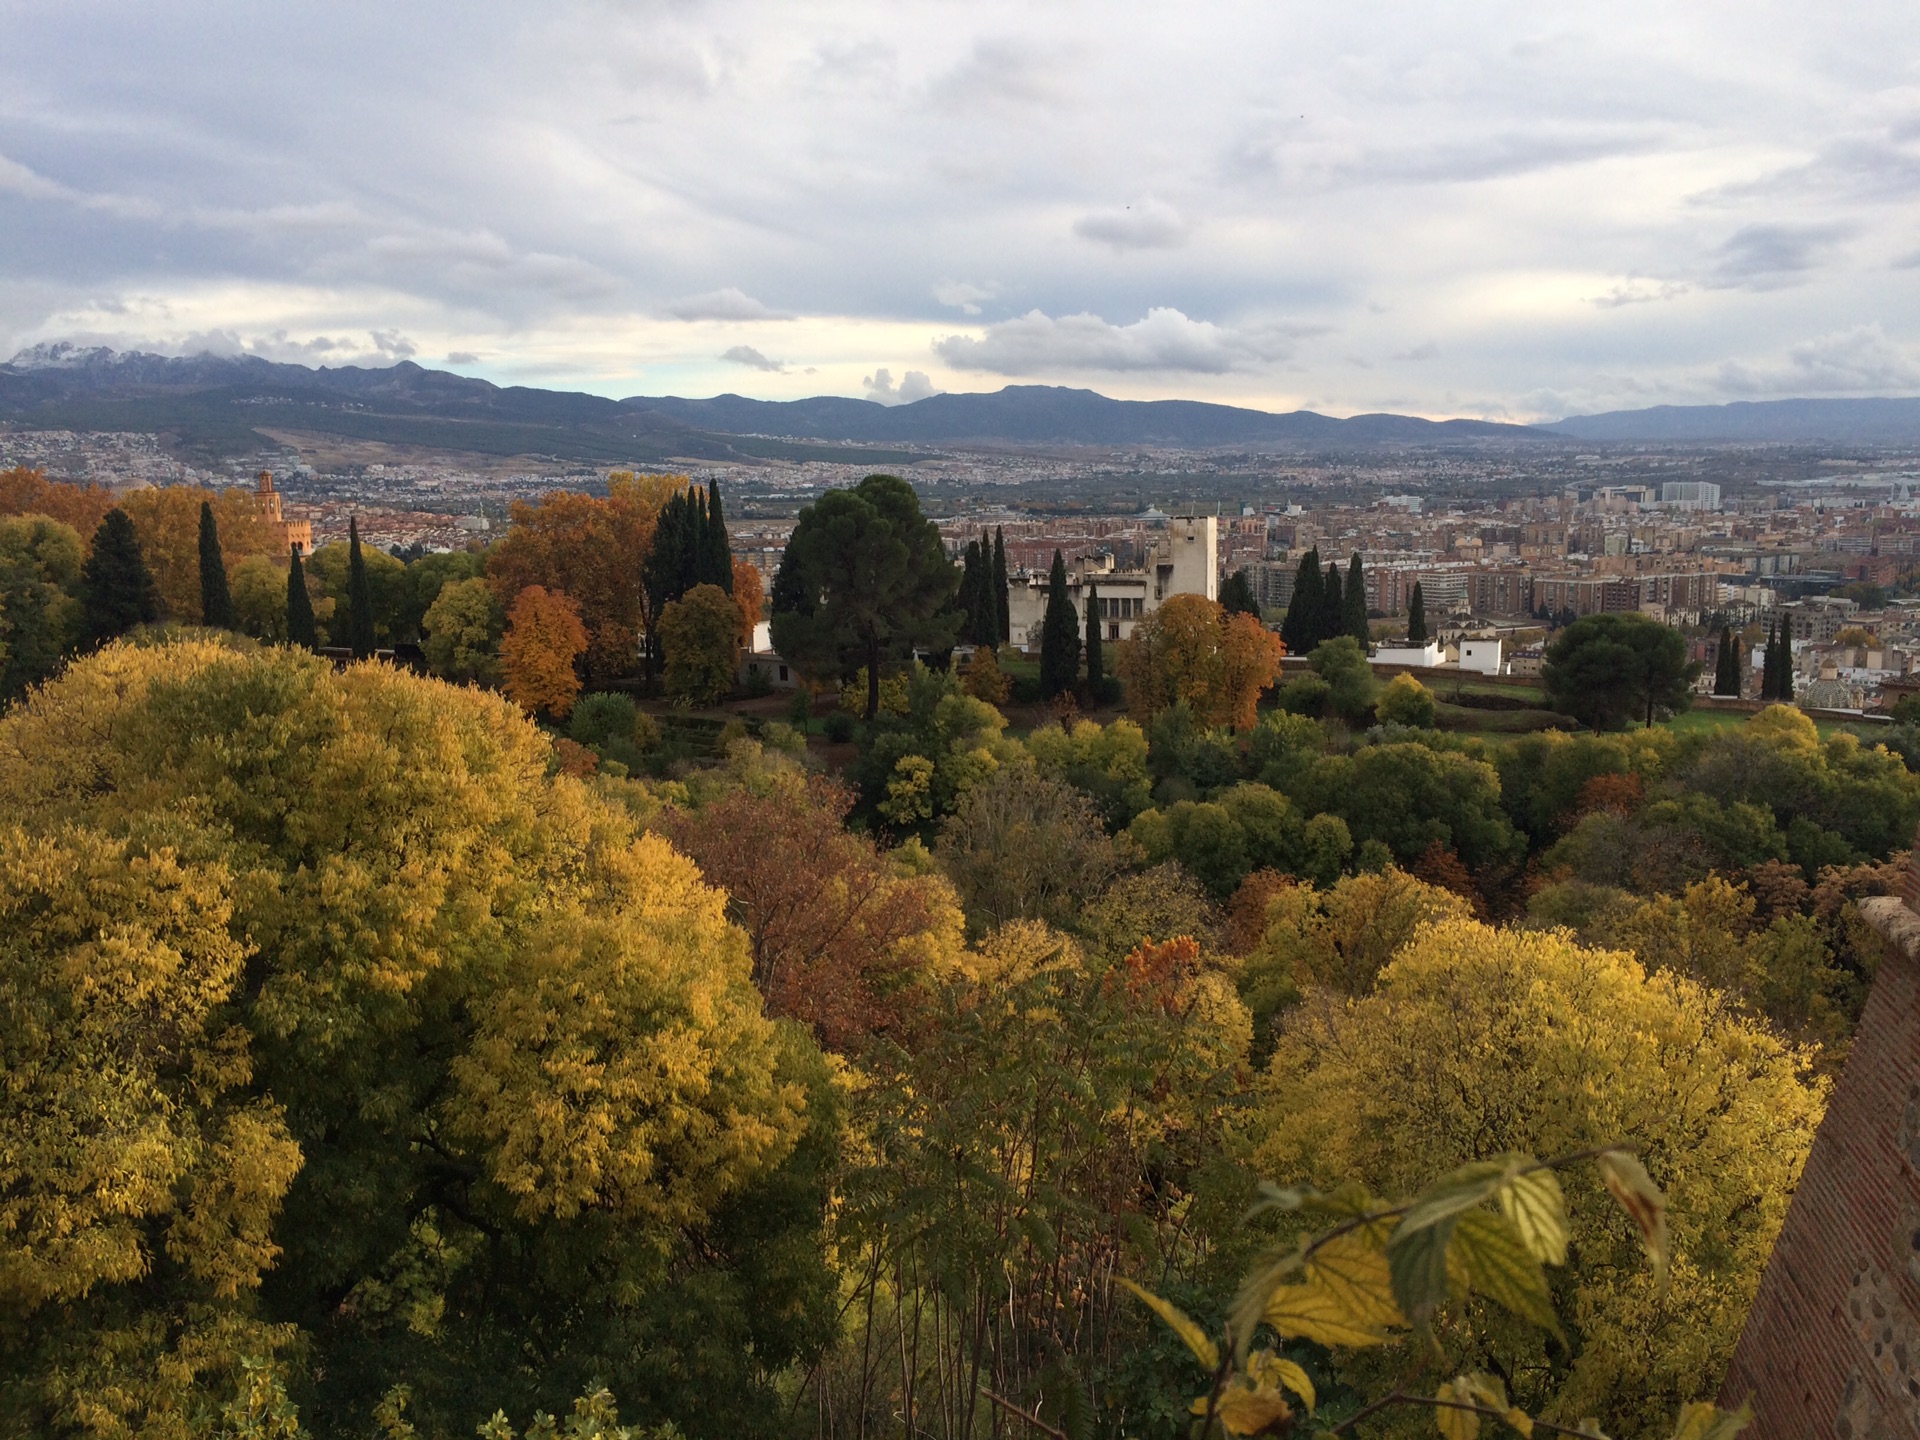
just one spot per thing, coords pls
(1195, 542)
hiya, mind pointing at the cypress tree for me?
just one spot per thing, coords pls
(1354, 599)
(1783, 682)
(1726, 675)
(1002, 609)
(1333, 605)
(216, 598)
(301, 629)
(1417, 617)
(1770, 664)
(1300, 628)
(719, 556)
(118, 588)
(359, 595)
(971, 595)
(1236, 596)
(1096, 662)
(1059, 635)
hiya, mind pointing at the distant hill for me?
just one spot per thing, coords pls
(213, 406)
(1845, 422)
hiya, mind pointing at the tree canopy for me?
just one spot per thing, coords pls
(1605, 670)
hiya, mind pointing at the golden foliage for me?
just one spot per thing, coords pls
(1191, 649)
(544, 637)
(750, 596)
(167, 521)
(29, 492)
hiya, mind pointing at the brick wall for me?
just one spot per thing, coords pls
(1832, 1348)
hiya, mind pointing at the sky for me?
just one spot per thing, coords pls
(1504, 210)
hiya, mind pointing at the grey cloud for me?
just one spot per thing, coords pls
(731, 303)
(462, 357)
(1164, 340)
(753, 359)
(1148, 225)
(914, 385)
(1639, 292)
(1298, 156)
(963, 296)
(1427, 351)
(1769, 257)
(1003, 70)
(1857, 361)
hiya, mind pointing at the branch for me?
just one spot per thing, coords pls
(1031, 1419)
(1400, 1397)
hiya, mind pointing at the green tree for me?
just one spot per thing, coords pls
(1354, 603)
(1001, 599)
(1405, 701)
(1096, 660)
(301, 629)
(1608, 669)
(461, 632)
(867, 579)
(1726, 675)
(1021, 847)
(1341, 661)
(1410, 796)
(702, 634)
(1300, 629)
(115, 582)
(1333, 605)
(1236, 595)
(41, 616)
(717, 567)
(1059, 635)
(216, 598)
(360, 623)
(421, 585)
(1417, 616)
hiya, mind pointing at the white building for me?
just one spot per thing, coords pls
(1480, 655)
(1428, 655)
(1185, 561)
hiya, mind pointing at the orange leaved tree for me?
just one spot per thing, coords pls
(1191, 649)
(544, 637)
(29, 492)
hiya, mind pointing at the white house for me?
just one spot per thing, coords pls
(1481, 655)
(1427, 655)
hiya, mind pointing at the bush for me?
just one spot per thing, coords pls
(839, 727)
(1405, 701)
(601, 717)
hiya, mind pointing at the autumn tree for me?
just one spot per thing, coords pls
(167, 521)
(750, 596)
(984, 679)
(544, 637)
(867, 581)
(701, 631)
(1190, 649)
(1023, 847)
(25, 491)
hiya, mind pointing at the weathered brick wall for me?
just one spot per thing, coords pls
(1833, 1345)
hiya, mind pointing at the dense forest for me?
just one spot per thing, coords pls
(392, 1053)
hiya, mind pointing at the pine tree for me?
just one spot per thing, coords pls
(1096, 662)
(301, 628)
(1417, 617)
(1354, 599)
(118, 587)
(1726, 675)
(1333, 605)
(719, 548)
(359, 595)
(1059, 635)
(216, 599)
(1000, 601)
(1301, 626)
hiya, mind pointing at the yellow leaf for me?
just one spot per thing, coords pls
(1309, 1312)
(1352, 1270)
(1196, 1339)
(1536, 1207)
(1244, 1410)
(1520, 1420)
(1499, 1266)
(1456, 1424)
(1703, 1421)
(1627, 1180)
(1267, 1368)
(1487, 1389)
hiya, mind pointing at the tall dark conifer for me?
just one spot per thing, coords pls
(1059, 635)
(116, 585)
(1417, 616)
(1002, 608)
(1770, 664)
(1333, 604)
(302, 630)
(359, 595)
(1096, 660)
(216, 598)
(1354, 600)
(719, 543)
(1783, 679)
(1726, 673)
(1300, 629)
(972, 595)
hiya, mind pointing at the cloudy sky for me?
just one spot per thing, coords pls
(1503, 209)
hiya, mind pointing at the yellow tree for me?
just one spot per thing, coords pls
(750, 595)
(544, 637)
(1190, 649)
(167, 521)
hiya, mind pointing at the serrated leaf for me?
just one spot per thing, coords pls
(1308, 1312)
(1500, 1267)
(1268, 1368)
(1353, 1270)
(1628, 1182)
(1417, 1262)
(1537, 1208)
(1243, 1410)
(1703, 1421)
(1456, 1424)
(1196, 1339)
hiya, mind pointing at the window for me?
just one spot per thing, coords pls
(783, 672)
(1113, 631)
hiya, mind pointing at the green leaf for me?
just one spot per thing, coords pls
(1703, 1421)
(1353, 1270)
(1627, 1180)
(1417, 1262)
(1456, 1424)
(1196, 1339)
(1487, 1389)
(1500, 1267)
(1537, 1208)
(1462, 1190)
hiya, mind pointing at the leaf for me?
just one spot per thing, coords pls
(1500, 1267)
(1460, 1191)
(1627, 1179)
(1269, 1368)
(1196, 1339)
(1703, 1421)
(1250, 1302)
(1456, 1424)
(1308, 1312)
(1244, 1410)
(1417, 1261)
(1487, 1389)
(1537, 1208)
(1519, 1420)
(1353, 1270)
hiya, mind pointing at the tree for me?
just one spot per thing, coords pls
(544, 637)
(718, 567)
(1096, 658)
(1417, 617)
(216, 599)
(749, 596)
(1236, 596)
(1391, 1088)
(869, 581)
(1783, 674)
(360, 629)
(42, 618)
(1354, 603)
(167, 521)
(1333, 605)
(1726, 675)
(985, 680)
(461, 632)
(25, 491)
(1770, 664)
(1409, 796)
(1300, 629)
(1059, 636)
(115, 583)
(1606, 669)
(301, 629)
(1341, 661)
(701, 631)
(1106, 762)
(329, 569)
(1191, 650)
(979, 617)
(1405, 701)
(1002, 602)
(1022, 847)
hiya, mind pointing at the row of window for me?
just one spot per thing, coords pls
(1121, 607)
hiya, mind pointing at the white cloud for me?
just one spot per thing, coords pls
(728, 304)
(1859, 361)
(913, 386)
(1165, 340)
(753, 360)
(1149, 224)
(963, 296)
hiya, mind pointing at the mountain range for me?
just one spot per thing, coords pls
(213, 406)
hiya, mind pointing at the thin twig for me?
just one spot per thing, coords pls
(1034, 1420)
(1400, 1397)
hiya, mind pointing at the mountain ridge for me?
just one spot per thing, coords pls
(1877, 419)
